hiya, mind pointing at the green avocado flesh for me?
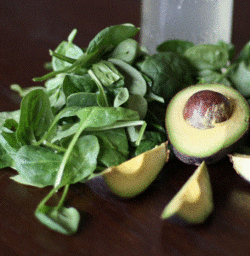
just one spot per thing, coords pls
(192, 145)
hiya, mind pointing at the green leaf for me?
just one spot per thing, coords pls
(210, 77)
(169, 72)
(121, 96)
(93, 117)
(8, 143)
(126, 50)
(78, 83)
(107, 74)
(65, 220)
(134, 80)
(176, 46)
(37, 165)
(82, 161)
(82, 99)
(207, 56)
(69, 50)
(114, 148)
(240, 76)
(15, 115)
(35, 118)
(111, 36)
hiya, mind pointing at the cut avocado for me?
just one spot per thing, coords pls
(241, 164)
(194, 202)
(135, 175)
(192, 145)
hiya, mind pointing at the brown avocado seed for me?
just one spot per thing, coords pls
(206, 108)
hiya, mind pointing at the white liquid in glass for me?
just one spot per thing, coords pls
(198, 21)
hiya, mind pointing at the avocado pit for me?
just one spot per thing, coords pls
(206, 108)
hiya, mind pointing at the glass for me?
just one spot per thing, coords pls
(198, 21)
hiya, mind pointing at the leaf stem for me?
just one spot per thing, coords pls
(48, 196)
(82, 61)
(61, 202)
(100, 87)
(223, 75)
(62, 57)
(67, 154)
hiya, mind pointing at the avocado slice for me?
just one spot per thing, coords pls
(241, 164)
(133, 176)
(192, 145)
(194, 201)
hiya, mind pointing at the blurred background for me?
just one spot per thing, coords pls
(28, 29)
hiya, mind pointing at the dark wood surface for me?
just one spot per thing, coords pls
(110, 225)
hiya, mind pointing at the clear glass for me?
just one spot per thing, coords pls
(198, 21)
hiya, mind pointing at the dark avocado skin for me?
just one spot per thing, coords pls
(212, 158)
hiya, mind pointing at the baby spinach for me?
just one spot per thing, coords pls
(126, 50)
(111, 37)
(169, 72)
(240, 76)
(207, 56)
(176, 46)
(101, 105)
(35, 117)
(58, 218)
(135, 81)
(64, 220)
(68, 49)
(37, 165)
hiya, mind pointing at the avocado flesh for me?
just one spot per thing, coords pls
(192, 145)
(241, 164)
(194, 201)
(135, 175)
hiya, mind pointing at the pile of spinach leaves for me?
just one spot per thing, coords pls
(100, 106)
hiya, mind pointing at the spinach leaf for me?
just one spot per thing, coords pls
(111, 36)
(82, 161)
(176, 46)
(82, 99)
(93, 117)
(68, 49)
(240, 76)
(139, 104)
(210, 76)
(169, 72)
(73, 83)
(8, 143)
(121, 96)
(114, 147)
(126, 50)
(64, 220)
(150, 140)
(37, 165)
(245, 54)
(107, 74)
(134, 80)
(58, 218)
(207, 56)
(35, 117)
(15, 115)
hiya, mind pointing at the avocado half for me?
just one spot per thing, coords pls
(192, 145)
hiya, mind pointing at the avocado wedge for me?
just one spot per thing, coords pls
(241, 164)
(194, 201)
(135, 175)
(193, 145)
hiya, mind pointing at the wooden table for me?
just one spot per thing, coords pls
(110, 226)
